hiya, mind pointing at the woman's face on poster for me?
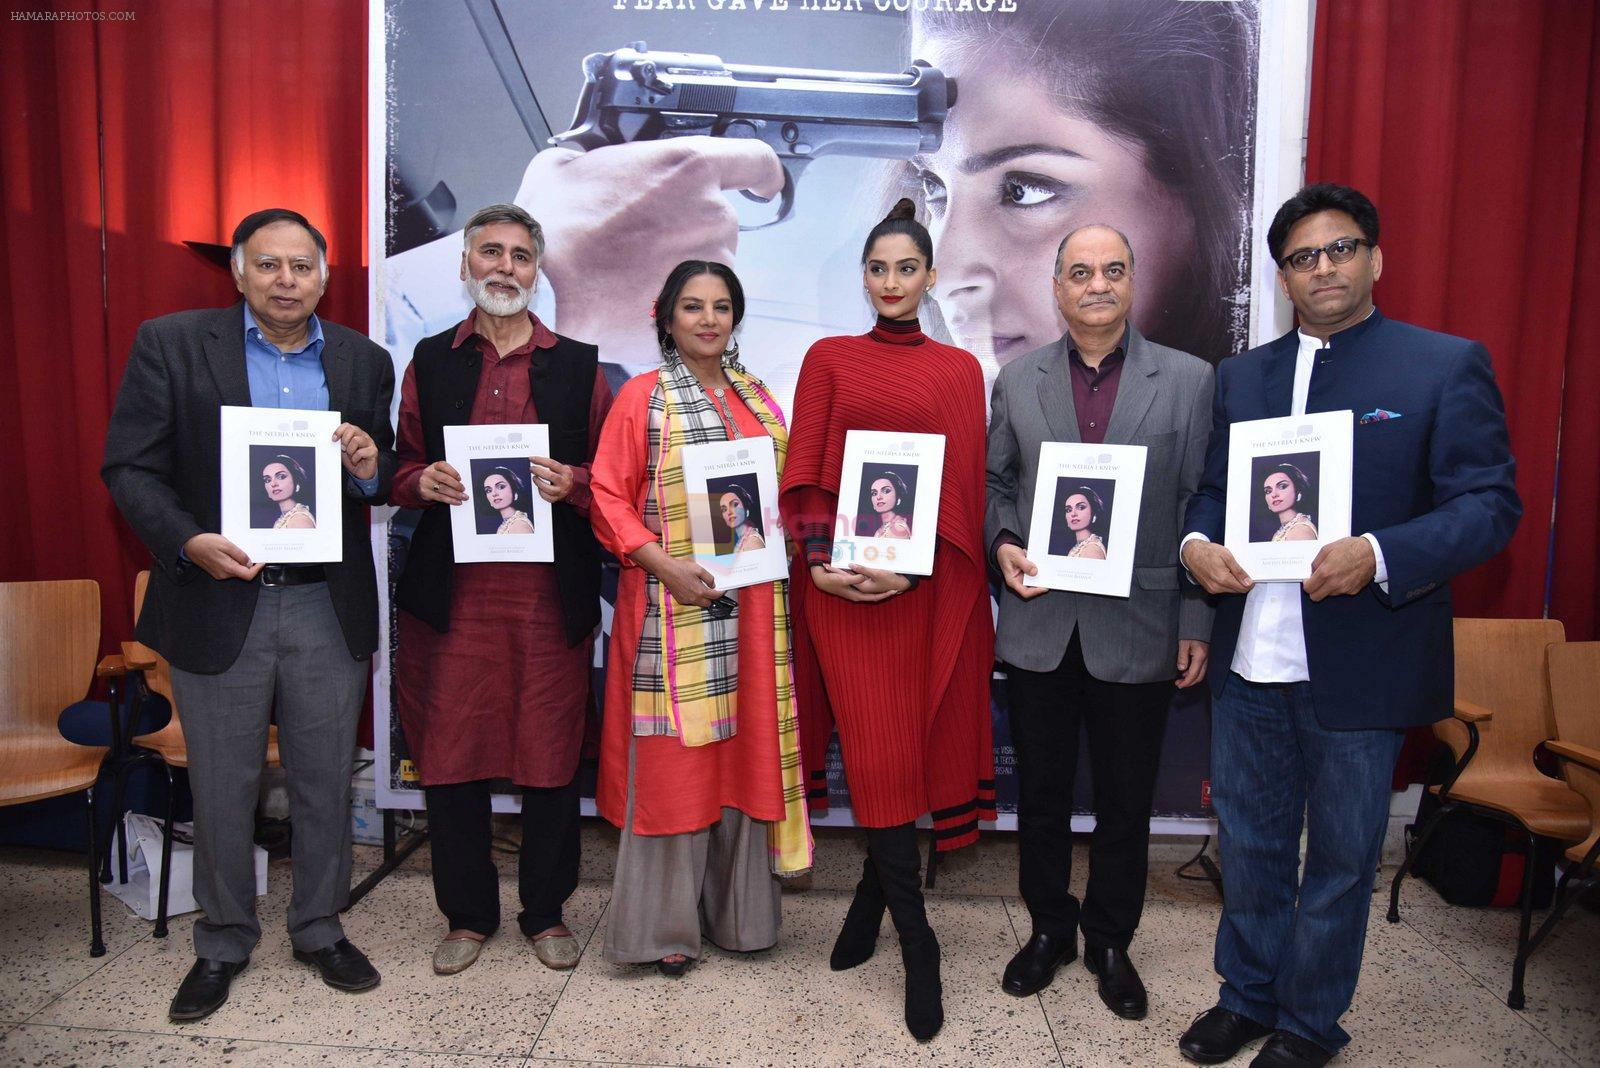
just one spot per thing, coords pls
(1079, 514)
(1279, 491)
(497, 491)
(1014, 175)
(884, 498)
(732, 510)
(278, 481)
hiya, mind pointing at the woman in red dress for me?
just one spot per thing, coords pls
(915, 739)
(699, 760)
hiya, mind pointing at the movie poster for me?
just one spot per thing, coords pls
(771, 136)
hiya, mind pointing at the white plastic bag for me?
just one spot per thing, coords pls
(143, 888)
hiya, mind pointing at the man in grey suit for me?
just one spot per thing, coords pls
(1105, 663)
(246, 639)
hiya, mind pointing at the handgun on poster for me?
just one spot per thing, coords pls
(634, 94)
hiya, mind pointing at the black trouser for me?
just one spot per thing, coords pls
(1125, 722)
(465, 881)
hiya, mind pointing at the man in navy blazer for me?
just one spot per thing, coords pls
(1314, 683)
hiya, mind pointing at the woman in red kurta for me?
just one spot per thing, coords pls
(904, 664)
(492, 669)
(691, 770)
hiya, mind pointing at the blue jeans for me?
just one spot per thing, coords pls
(1289, 946)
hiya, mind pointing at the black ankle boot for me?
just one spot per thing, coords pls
(893, 851)
(858, 938)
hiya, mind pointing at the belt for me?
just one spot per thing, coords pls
(291, 574)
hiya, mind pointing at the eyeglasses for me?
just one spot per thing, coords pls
(1340, 251)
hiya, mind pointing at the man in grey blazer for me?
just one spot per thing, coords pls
(1106, 664)
(245, 639)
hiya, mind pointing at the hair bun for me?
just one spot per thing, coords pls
(903, 209)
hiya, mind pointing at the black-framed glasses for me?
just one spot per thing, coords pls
(1340, 251)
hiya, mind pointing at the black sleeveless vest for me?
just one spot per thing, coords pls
(562, 380)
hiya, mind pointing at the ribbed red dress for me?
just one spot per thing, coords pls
(905, 679)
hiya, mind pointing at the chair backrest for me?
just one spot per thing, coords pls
(1575, 700)
(1500, 664)
(49, 635)
(159, 680)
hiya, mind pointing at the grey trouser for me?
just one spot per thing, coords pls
(670, 888)
(295, 659)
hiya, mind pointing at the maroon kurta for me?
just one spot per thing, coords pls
(906, 679)
(501, 695)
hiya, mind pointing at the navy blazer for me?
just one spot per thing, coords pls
(1434, 486)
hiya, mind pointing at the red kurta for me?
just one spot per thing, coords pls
(676, 789)
(907, 679)
(501, 695)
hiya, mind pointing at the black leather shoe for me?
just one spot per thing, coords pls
(1285, 1050)
(1218, 1034)
(343, 966)
(204, 990)
(1120, 986)
(1035, 964)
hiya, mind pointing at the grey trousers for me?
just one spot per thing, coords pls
(670, 888)
(294, 658)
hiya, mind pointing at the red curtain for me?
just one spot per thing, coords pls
(123, 139)
(1472, 124)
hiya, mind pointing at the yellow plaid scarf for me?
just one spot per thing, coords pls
(685, 675)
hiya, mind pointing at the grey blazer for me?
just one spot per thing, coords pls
(1164, 403)
(163, 454)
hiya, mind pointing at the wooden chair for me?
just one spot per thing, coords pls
(1575, 700)
(165, 746)
(49, 633)
(1502, 716)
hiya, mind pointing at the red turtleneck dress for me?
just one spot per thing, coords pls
(905, 679)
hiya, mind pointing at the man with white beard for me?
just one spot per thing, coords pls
(492, 672)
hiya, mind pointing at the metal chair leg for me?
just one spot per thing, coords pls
(1411, 859)
(97, 946)
(118, 832)
(166, 852)
(1520, 966)
(1584, 869)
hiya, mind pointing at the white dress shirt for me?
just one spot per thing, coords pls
(1272, 637)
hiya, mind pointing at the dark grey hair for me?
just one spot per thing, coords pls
(257, 220)
(1061, 249)
(498, 213)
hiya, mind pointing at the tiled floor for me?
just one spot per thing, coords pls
(1432, 990)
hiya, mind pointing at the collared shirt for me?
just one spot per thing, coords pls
(295, 379)
(280, 379)
(504, 391)
(1272, 637)
(1094, 389)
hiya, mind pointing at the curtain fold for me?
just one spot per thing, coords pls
(188, 117)
(1466, 122)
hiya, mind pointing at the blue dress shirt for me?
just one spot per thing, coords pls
(280, 379)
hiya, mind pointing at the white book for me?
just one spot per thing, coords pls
(732, 488)
(1288, 492)
(503, 519)
(889, 501)
(282, 485)
(1085, 517)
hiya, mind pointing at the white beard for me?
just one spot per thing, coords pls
(493, 303)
